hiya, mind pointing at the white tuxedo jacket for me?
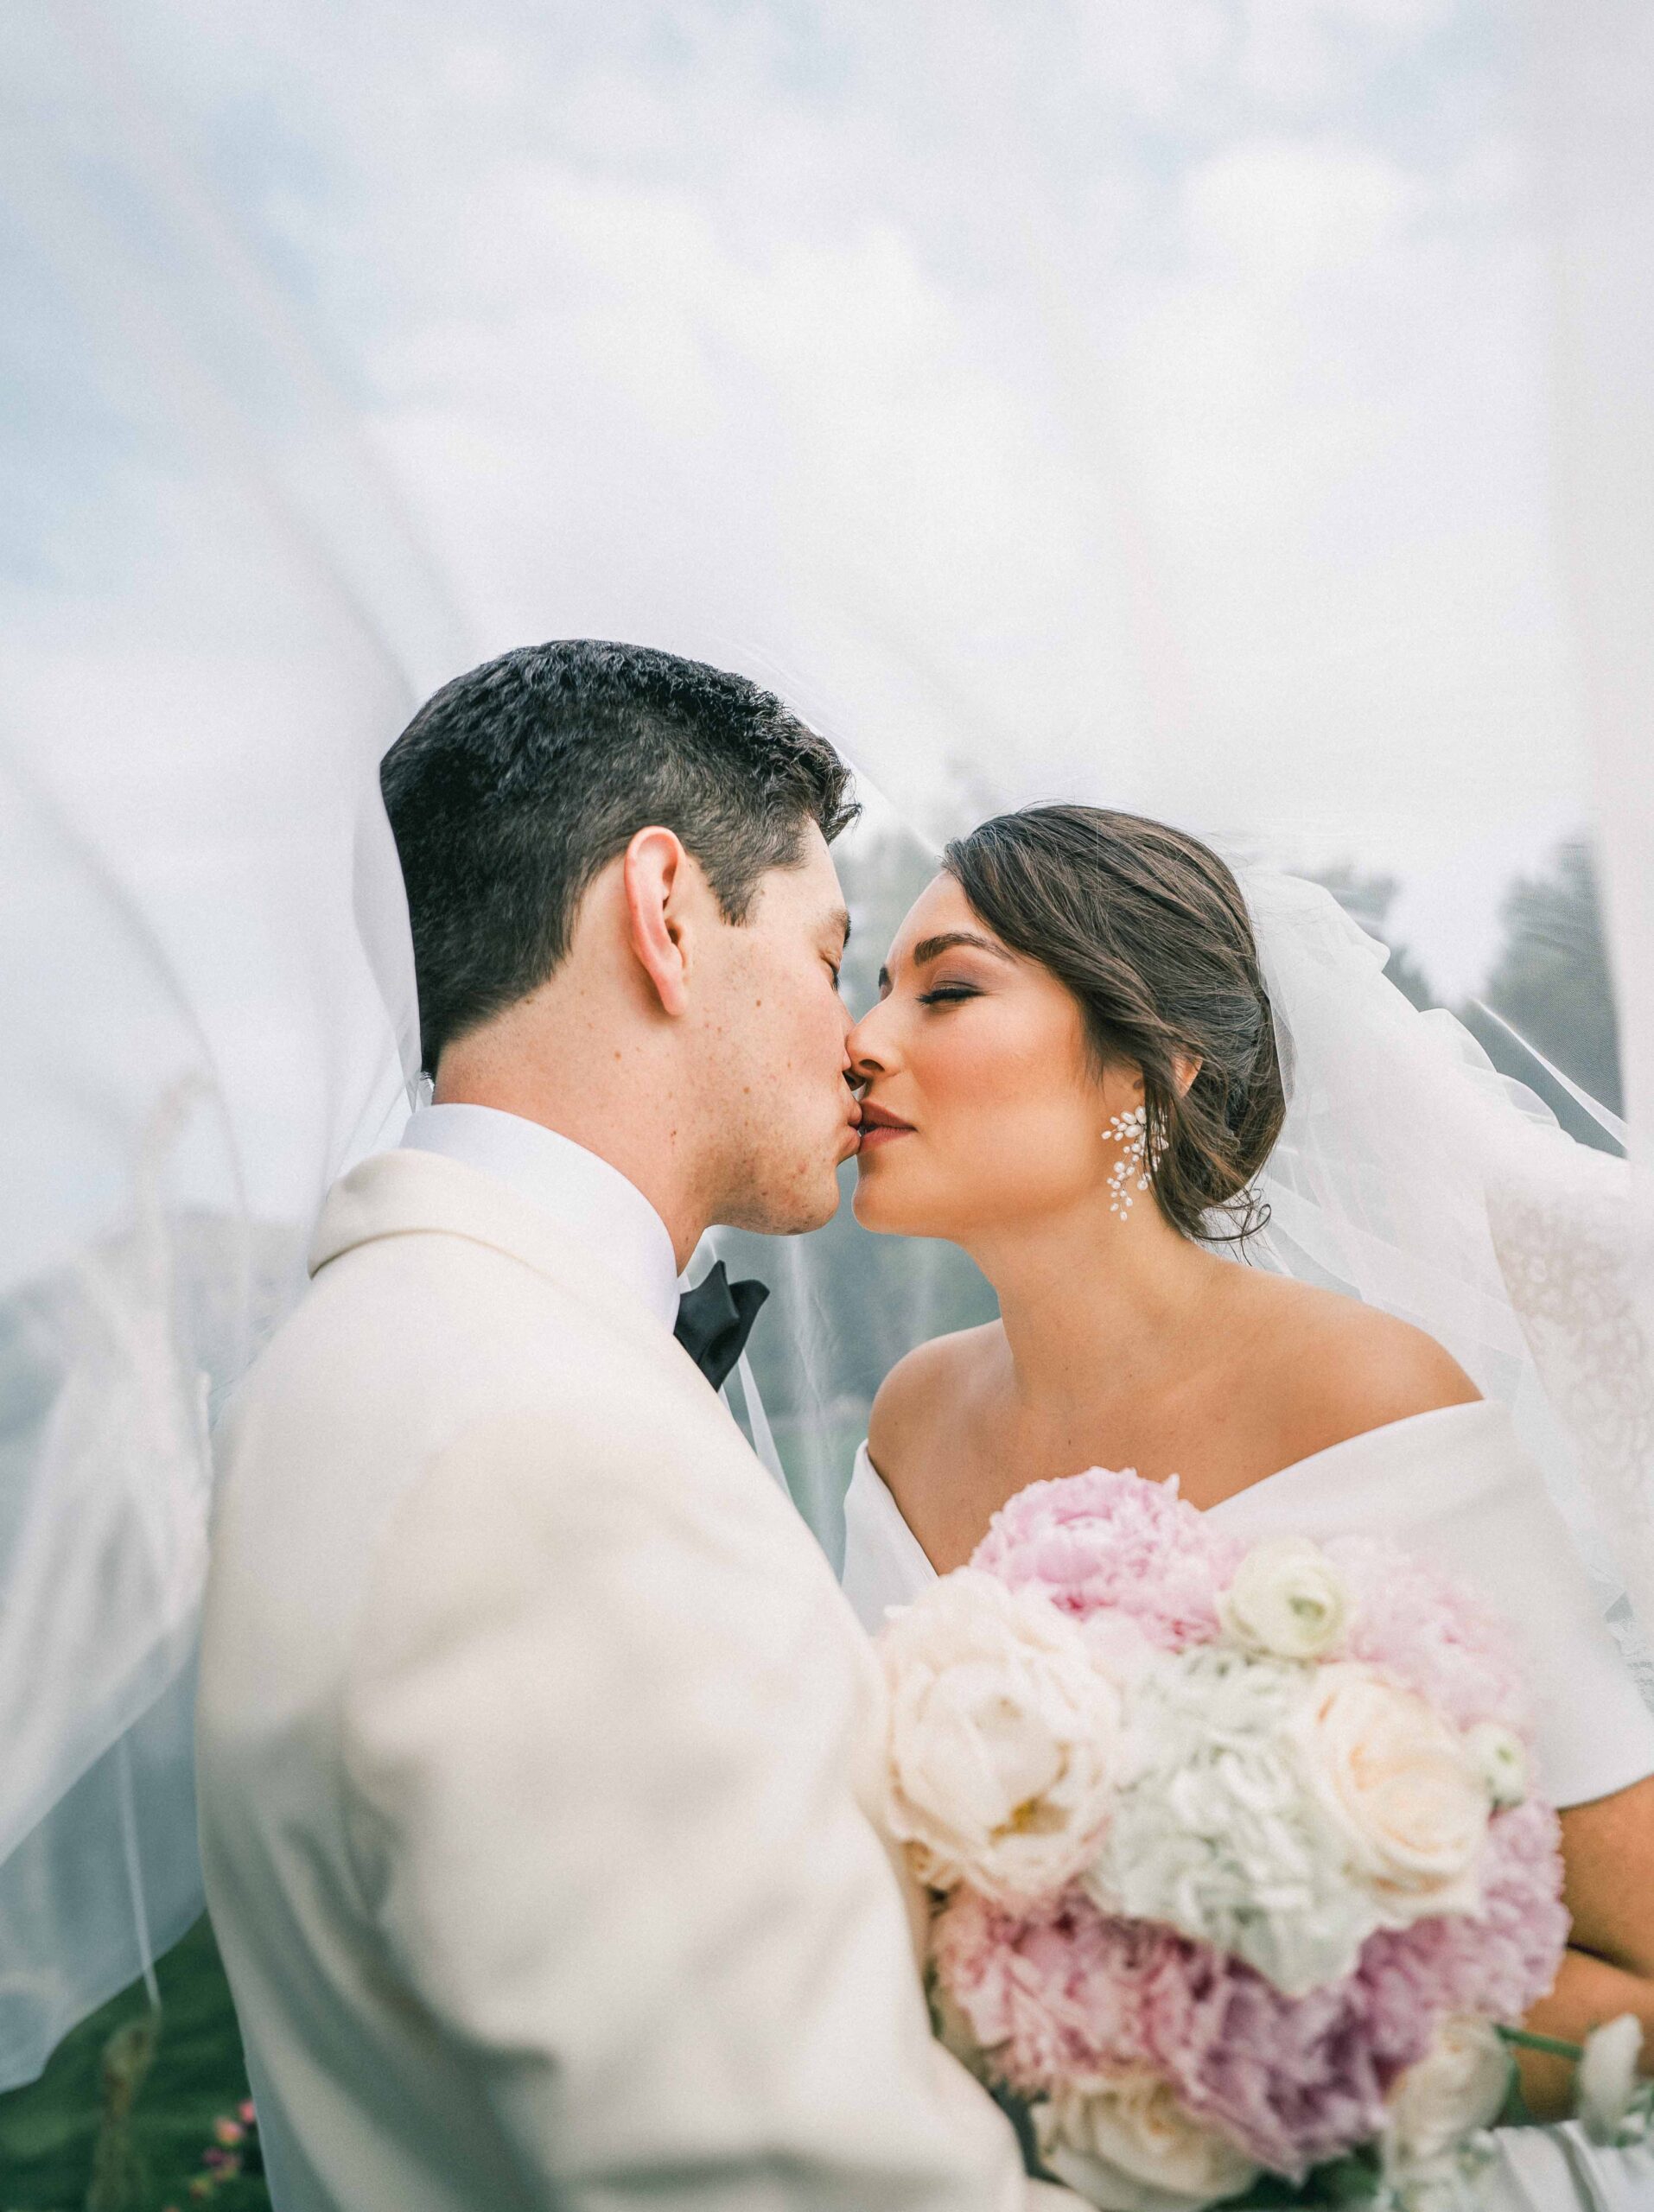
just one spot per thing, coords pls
(526, 1735)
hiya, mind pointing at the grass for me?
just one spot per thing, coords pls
(128, 2105)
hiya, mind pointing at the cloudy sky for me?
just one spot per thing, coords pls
(1141, 401)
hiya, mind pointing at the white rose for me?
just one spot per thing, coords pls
(1609, 2089)
(1456, 2088)
(1001, 1737)
(1401, 1784)
(1286, 1600)
(1501, 1760)
(1218, 1831)
(1130, 2146)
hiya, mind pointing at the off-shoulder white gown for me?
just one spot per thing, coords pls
(1455, 1486)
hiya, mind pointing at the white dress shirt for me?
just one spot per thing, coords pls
(592, 1200)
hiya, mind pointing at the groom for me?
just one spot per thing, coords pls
(531, 1808)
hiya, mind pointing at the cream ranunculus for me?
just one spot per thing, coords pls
(1456, 2088)
(1403, 1789)
(1286, 1600)
(1002, 1736)
(1501, 1760)
(1131, 2146)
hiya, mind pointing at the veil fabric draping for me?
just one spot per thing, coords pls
(1593, 136)
(215, 622)
(217, 614)
(1410, 1172)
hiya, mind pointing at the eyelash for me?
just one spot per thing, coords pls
(948, 995)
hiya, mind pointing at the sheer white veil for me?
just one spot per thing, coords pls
(214, 624)
(1411, 1172)
(219, 616)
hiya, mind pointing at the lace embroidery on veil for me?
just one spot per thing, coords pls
(1563, 1242)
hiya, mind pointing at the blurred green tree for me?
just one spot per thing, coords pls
(1367, 900)
(1551, 982)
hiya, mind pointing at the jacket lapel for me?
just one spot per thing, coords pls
(412, 1193)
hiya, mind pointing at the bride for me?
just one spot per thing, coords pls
(1074, 1072)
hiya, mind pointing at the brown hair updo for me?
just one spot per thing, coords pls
(1148, 928)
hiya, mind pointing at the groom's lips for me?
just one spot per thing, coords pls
(880, 1127)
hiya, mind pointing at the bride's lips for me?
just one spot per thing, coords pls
(878, 1127)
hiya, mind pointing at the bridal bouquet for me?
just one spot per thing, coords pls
(1237, 1871)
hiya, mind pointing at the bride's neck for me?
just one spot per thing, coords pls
(1082, 1297)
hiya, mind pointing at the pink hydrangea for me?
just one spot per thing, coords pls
(1108, 1541)
(1430, 1633)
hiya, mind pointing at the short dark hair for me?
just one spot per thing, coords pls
(514, 786)
(1148, 930)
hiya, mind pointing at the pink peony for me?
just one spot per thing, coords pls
(1065, 1991)
(1109, 1542)
(1431, 1634)
(1050, 1993)
(1503, 1962)
(1292, 2080)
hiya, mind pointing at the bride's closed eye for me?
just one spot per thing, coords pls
(949, 995)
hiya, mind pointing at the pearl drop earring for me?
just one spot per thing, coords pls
(1130, 1173)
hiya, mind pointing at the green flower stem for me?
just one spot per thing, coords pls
(1550, 2045)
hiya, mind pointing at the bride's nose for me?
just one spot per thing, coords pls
(869, 1046)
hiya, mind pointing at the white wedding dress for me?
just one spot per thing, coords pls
(1455, 1486)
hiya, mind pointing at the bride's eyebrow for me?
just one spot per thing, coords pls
(929, 948)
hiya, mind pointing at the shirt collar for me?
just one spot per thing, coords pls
(590, 1198)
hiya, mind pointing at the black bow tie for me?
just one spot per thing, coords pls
(715, 1321)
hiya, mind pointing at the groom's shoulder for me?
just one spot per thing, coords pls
(425, 1378)
(423, 1331)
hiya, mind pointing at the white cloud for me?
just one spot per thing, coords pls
(1143, 397)
(1278, 211)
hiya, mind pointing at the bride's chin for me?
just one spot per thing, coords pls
(874, 1209)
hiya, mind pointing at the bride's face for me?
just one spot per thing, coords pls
(981, 1108)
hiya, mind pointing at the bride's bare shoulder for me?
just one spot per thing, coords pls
(1334, 1369)
(926, 1396)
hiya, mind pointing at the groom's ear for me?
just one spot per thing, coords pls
(657, 875)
